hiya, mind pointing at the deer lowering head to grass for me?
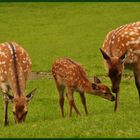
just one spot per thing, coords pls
(120, 48)
(15, 66)
(71, 75)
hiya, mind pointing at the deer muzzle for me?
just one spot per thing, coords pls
(113, 98)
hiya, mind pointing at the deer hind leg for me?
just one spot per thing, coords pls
(137, 78)
(72, 103)
(61, 89)
(5, 89)
(83, 99)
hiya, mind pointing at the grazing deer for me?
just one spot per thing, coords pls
(71, 75)
(15, 66)
(120, 48)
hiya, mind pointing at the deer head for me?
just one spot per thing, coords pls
(20, 106)
(115, 67)
(102, 90)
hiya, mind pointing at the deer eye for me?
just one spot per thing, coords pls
(25, 112)
(119, 75)
(14, 112)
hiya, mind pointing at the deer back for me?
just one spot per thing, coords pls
(124, 39)
(69, 73)
(15, 66)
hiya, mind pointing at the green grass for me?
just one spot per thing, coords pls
(44, 118)
(76, 30)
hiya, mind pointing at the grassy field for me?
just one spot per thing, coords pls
(76, 30)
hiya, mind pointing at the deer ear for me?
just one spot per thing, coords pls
(106, 57)
(123, 58)
(31, 94)
(96, 80)
(10, 97)
(94, 86)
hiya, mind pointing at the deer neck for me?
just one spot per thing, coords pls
(86, 85)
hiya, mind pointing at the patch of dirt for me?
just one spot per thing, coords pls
(40, 75)
(44, 74)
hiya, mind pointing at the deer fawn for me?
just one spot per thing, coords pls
(71, 75)
(122, 47)
(15, 66)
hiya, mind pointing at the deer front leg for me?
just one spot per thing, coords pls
(83, 99)
(117, 102)
(5, 90)
(6, 110)
(137, 78)
(71, 103)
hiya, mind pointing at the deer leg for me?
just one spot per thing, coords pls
(5, 89)
(5, 110)
(76, 109)
(72, 103)
(61, 98)
(83, 99)
(137, 78)
(70, 99)
(117, 102)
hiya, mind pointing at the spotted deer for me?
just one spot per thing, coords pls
(71, 75)
(121, 48)
(15, 66)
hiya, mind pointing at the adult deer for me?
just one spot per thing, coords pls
(120, 48)
(71, 75)
(15, 66)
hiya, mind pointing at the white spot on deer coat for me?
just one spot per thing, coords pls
(132, 33)
(132, 38)
(112, 42)
(2, 44)
(11, 51)
(1, 78)
(125, 33)
(137, 41)
(5, 72)
(24, 61)
(2, 62)
(2, 53)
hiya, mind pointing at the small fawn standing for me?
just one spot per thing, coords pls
(71, 75)
(122, 47)
(15, 66)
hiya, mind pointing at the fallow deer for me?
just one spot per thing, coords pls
(71, 75)
(120, 48)
(15, 66)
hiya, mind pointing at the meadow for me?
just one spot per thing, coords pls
(76, 30)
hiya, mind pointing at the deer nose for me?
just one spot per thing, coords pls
(113, 98)
(19, 121)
